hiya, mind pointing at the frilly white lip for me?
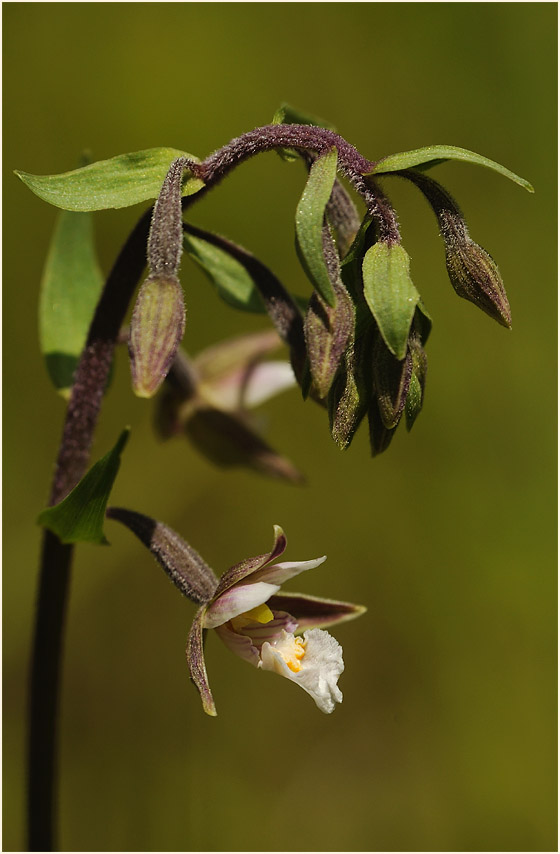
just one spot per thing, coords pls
(263, 626)
(315, 664)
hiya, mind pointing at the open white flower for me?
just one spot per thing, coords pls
(262, 625)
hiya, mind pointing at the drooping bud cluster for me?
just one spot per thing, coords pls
(357, 345)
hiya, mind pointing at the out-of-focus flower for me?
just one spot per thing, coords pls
(208, 399)
(259, 623)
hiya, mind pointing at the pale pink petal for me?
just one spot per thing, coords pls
(239, 644)
(236, 601)
(281, 572)
(266, 380)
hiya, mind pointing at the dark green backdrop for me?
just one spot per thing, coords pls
(447, 735)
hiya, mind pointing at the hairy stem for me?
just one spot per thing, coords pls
(351, 164)
(56, 558)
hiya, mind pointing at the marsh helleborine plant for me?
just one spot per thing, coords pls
(356, 347)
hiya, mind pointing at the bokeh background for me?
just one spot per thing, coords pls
(447, 735)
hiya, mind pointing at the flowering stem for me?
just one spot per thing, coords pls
(83, 411)
(56, 558)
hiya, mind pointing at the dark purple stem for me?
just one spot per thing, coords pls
(351, 164)
(81, 418)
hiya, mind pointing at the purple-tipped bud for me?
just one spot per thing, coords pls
(156, 329)
(475, 276)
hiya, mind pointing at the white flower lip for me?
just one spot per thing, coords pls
(320, 666)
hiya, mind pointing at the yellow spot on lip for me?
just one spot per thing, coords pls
(260, 614)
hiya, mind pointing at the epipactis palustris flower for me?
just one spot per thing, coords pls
(263, 626)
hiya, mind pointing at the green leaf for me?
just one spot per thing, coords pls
(390, 293)
(116, 183)
(309, 222)
(288, 115)
(233, 281)
(79, 517)
(70, 288)
(431, 155)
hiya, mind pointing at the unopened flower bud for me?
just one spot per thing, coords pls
(328, 328)
(391, 381)
(475, 277)
(415, 396)
(156, 329)
(472, 272)
(379, 435)
(350, 394)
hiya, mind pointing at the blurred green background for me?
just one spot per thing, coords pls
(447, 735)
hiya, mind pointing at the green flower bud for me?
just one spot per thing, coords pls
(156, 329)
(473, 273)
(415, 396)
(391, 381)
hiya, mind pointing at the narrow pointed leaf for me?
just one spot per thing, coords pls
(309, 222)
(115, 183)
(233, 282)
(79, 517)
(70, 287)
(431, 155)
(390, 293)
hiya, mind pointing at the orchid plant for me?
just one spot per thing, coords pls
(356, 348)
